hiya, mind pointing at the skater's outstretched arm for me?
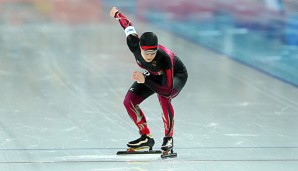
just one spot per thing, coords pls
(126, 24)
(124, 21)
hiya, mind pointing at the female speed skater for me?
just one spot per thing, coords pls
(164, 75)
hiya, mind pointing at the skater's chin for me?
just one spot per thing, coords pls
(148, 60)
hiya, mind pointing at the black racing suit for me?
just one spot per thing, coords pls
(165, 75)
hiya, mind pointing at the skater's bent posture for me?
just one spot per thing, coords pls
(164, 75)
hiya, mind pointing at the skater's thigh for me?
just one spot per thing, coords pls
(140, 90)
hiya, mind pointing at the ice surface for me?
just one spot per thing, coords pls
(61, 108)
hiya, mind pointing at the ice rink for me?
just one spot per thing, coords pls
(61, 105)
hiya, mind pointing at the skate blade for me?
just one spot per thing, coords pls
(131, 149)
(166, 155)
(139, 152)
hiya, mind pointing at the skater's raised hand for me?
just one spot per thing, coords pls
(113, 11)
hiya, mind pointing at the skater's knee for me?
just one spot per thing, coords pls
(126, 103)
(131, 100)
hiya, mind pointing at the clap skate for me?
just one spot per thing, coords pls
(142, 145)
(167, 148)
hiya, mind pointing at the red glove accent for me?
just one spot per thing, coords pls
(124, 22)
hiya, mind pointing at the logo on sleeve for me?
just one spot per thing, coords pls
(147, 73)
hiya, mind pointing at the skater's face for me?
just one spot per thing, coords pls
(148, 55)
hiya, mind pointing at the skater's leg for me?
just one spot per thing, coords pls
(167, 115)
(166, 105)
(168, 119)
(167, 146)
(134, 97)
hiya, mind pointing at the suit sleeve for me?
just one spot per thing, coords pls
(130, 32)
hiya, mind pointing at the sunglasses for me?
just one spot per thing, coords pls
(150, 52)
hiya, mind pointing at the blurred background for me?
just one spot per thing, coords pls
(262, 34)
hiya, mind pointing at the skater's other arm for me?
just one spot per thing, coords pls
(126, 24)
(138, 77)
(164, 90)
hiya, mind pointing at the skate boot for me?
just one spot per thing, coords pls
(144, 142)
(167, 148)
